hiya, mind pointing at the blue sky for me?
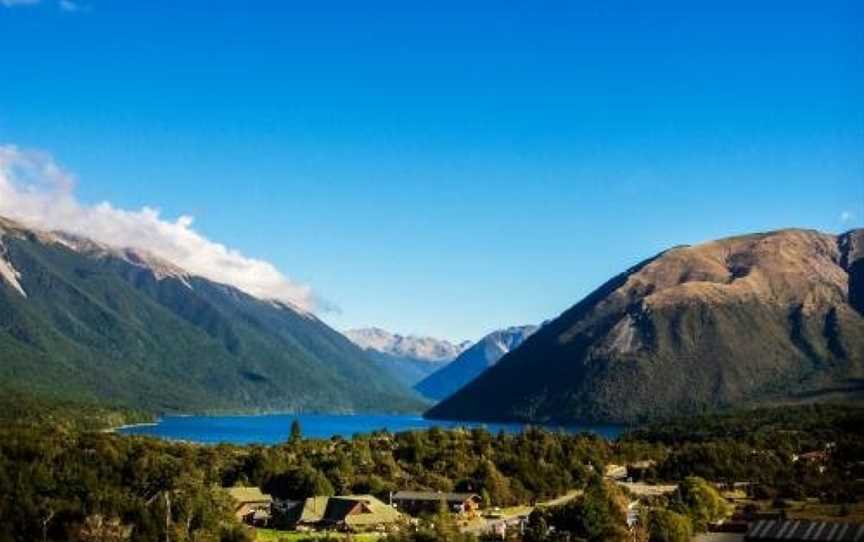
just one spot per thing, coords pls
(448, 168)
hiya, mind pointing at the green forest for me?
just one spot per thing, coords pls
(62, 477)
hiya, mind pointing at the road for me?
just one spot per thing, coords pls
(513, 515)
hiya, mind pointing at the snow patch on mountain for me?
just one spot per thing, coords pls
(162, 269)
(8, 273)
(411, 346)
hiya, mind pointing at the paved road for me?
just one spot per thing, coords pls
(648, 490)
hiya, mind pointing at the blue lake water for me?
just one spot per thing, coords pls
(274, 428)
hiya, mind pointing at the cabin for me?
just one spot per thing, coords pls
(791, 530)
(351, 513)
(615, 472)
(428, 502)
(251, 505)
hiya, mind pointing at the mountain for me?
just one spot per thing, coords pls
(765, 318)
(473, 361)
(84, 320)
(409, 359)
(419, 348)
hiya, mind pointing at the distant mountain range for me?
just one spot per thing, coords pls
(82, 319)
(472, 362)
(407, 358)
(765, 318)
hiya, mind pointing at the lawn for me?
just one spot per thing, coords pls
(272, 535)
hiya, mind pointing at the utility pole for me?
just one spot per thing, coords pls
(167, 516)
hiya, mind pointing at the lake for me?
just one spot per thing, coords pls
(274, 428)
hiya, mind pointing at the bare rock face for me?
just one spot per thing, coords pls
(758, 318)
(852, 260)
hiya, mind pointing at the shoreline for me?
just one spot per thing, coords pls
(240, 429)
(130, 425)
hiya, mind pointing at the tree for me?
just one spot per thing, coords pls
(537, 527)
(599, 515)
(668, 526)
(296, 432)
(494, 484)
(299, 483)
(700, 501)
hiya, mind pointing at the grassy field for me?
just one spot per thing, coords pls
(272, 535)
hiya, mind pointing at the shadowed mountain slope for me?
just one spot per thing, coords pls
(472, 362)
(78, 318)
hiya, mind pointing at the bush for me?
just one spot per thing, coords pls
(668, 526)
(701, 502)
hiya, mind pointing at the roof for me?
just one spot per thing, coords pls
(248, 495)
(794, 530)
(308, 511)
(353, 510)
(433, 496)
(373, 512)
(339, 509)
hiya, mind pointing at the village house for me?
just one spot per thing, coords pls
(615, 472)
(251, 506)
(428, 502)
(354, 513)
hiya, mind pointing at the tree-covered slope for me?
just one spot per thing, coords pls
(81, 319)
(759, 318)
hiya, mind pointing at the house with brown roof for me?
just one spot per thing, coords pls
(428, 502)
(251, 505)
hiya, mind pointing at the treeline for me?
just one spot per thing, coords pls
(505, 469)
(23, 409)
(61, 481)
(67, 485)
(760, 447)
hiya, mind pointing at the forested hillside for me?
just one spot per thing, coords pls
(84, 320)
(80, 485)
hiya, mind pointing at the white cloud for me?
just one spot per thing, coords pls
(847, 217)
(69, 6)
(13, 3)
(35, 190)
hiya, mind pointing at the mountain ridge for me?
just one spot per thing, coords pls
(407, 358)
(421, 348)
(120, 325)
(473, 361)
(773, 316)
